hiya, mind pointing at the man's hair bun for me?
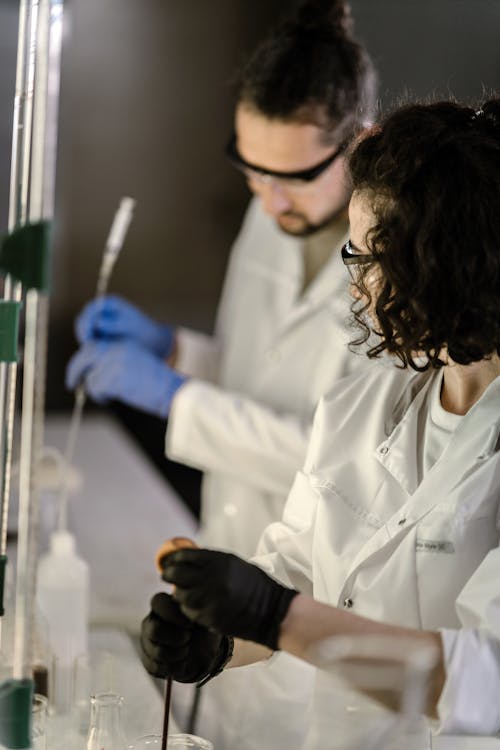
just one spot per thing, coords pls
(491, 112)
(327, 15)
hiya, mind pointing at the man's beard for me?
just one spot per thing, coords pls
(304, 228)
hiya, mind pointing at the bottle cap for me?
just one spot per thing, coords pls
(62, 543)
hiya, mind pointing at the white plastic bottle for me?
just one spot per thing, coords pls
(63, 598)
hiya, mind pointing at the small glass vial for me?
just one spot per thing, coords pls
(39, 722)
(42, 655)
(105, 732)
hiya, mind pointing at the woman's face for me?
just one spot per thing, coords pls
(361, 220)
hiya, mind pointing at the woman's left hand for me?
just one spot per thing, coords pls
(223, 592)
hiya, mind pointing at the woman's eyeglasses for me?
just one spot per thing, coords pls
(352, 259)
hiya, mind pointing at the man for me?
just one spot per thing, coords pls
(280, 338)
(279, 341)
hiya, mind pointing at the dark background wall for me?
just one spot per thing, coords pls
(146, 108)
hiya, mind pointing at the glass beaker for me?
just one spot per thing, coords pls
(177, 741)
(39, 721)
(372, 693)
(105, 732)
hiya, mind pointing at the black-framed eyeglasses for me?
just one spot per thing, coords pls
(352, 259)
(292, 179)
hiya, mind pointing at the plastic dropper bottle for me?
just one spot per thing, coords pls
(63, 598)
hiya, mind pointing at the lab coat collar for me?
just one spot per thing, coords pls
(399, 452)
(475, 439)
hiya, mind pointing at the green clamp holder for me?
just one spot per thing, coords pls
(3, 565)
(16, 700)
(9, 330)
(25, 255)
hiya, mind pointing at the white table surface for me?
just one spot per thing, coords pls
(120, 516)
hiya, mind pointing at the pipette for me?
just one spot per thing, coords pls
(114, 244)
(177, 542)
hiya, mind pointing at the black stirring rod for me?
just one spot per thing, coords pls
(168, 693)
(169, 546)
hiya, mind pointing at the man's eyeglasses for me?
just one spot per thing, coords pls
(298, 179)
(352, 259)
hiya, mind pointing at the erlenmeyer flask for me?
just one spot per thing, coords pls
(105, 732)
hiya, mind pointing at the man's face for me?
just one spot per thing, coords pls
(300, 208)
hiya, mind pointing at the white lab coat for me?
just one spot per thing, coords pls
(360, 530)
(275, 353)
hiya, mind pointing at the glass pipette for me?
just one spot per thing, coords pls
(112, 249)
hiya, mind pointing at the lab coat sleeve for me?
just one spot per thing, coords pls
(215, 430)
(198, 355)
(285, 548)
(469, 701)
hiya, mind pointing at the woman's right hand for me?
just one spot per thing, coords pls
(174, 647)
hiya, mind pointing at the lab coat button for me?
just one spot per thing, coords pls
(348, 602)
(401, 521)
(384, 449)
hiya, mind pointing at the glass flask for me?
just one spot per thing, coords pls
(105, 732)
(93, 673)
(174, 742)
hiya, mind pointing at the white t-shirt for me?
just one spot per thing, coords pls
(435, 428)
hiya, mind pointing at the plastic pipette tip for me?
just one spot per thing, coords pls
(171, 545)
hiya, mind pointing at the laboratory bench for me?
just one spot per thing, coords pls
(120, 511)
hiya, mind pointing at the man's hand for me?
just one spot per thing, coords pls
(173, 646)
(124, 372)
(227, 594)
(112, 319)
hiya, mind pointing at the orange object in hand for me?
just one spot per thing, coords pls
(171, 545)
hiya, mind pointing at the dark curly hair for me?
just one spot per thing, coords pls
(431, 175)
(311, 69)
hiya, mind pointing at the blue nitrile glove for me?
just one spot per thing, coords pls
(124, 372)
(228, 595)
(173, 646)
(113, 318)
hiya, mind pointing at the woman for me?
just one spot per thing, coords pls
(392, 527)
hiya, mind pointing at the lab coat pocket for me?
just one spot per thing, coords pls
(449, 548)
(350, 524)
(343, 527)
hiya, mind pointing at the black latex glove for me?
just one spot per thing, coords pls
(173, 646)
(223, 592)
